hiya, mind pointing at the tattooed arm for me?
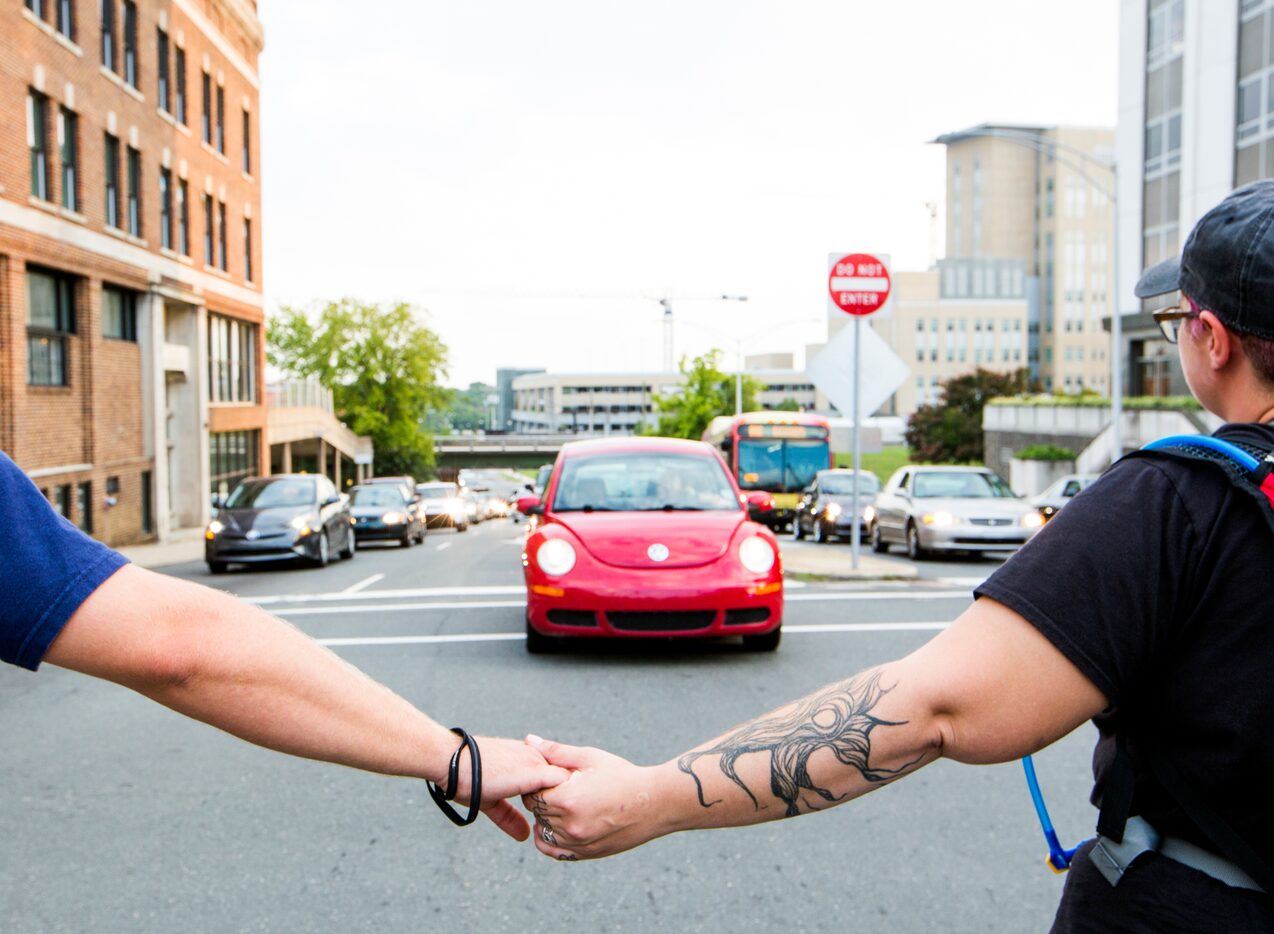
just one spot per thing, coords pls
(989, 689)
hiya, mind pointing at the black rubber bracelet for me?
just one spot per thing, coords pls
(441, 797)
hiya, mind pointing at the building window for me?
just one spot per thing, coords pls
(1165, 44)
(134, 192)
(207, 230)
(119, 313)
(112, 182)
(130, 43)
(222, 261)
(84, 506)
(62, 500)
(206, 124)
(166, 208)
(247, 249)
(148, 507)
(183, 218)
(232, 360)
(179, 68)
(38, 143)
(233, 456)
(1254, 117)
(221, 119)
(66, 18)
(108, 34)
(247, 141)
(161, 71)
(68, 137)
(50, 320)
(36, 7)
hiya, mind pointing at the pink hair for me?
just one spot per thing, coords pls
(1258, 350)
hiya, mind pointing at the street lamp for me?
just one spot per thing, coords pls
(1079, 163)
(738, 348)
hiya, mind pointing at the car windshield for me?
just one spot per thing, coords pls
(542, 477)
(268, 494)
(780, 466)
(962, 484)
(379, 495)
(643, 482)
(436, 490)
(843, 484)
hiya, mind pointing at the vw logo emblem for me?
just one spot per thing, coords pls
(657, 552)
(252, 535)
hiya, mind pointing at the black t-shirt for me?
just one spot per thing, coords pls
(1157, 582)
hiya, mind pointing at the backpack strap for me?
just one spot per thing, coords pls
(1251, 470)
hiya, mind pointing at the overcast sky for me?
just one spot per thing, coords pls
(532, 175)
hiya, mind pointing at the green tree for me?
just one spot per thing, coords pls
(460, 410)
(707, 393)
(788, 405)
(382, 366)
(951, 431)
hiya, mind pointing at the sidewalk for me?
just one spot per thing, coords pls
(182, 547)
(835, 561)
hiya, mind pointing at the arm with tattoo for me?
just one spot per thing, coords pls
(989, 689)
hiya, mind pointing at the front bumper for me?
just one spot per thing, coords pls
(369, 530)
(974, 537)
(281, 546)
(678, 602)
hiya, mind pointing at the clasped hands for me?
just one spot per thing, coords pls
(586, 803)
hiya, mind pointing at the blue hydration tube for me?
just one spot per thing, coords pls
(1059, 858)
(1212, 444)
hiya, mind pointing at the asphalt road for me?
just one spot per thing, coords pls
(122, 816)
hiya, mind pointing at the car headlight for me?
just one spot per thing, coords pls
(215, 528)
(756, 554)
(869, 513)
(940, 519)
(555, 556)
(833, 510)
(301, 524)
(393, 518)
(1032, 520)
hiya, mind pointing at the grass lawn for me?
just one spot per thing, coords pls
(882, 465)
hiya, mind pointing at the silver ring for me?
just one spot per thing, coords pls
(547, 835)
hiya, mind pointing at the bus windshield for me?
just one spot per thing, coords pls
(780, 466)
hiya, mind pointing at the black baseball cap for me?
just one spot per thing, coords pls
(1227, 265)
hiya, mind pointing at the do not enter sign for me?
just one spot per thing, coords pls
(859, 283)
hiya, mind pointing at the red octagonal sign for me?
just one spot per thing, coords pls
(859, 284)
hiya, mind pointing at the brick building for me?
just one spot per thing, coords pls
(131, 345)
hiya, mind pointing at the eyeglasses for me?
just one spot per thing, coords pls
(1170, 319)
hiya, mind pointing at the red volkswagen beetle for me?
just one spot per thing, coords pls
(648, 537)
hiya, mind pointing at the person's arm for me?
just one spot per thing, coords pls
(214, 658)
(989, 689)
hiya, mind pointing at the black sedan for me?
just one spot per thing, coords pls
(382, 512)
(279, 518)
(825, 510)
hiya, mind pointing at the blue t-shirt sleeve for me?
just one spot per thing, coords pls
(48, 568)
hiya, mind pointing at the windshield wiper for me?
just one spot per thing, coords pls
(591, 508)
(669, 507)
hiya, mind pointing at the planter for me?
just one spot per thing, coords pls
(1031, 478)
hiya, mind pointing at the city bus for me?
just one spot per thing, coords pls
(779, 452)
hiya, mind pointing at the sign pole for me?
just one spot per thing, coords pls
(858, 454)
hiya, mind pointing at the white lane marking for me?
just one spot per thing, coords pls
(793, 585)
(363, 584)
(290, 611)
(961, 581)
(491, 591)
(518, 637)
(444, 546)
(876, 595)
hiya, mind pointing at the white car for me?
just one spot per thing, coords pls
(1060, 492)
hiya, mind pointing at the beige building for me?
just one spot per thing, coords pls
(1040, 195)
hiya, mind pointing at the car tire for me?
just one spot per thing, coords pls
(798, 533)
(462, 527)
(324, 551)
(351, 546)
(766, 642)
(536, 642)
(878, 543)
(406, 540)
(218, 567)
(820, 534)
(915, 551)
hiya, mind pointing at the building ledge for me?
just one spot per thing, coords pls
(122, 84)
(53, 34)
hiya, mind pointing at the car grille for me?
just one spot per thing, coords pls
(572, 617)
(752, 614)
(991, 522)
(989, 541)
(667, 621)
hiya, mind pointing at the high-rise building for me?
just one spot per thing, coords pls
(131, 345)
(1196, 121)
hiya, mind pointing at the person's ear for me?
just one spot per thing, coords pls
(1219, 341)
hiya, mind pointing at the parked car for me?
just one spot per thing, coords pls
(279, 518)
(931, 509)
(408, 485)
(648, 537)
(825, 509)
(382, 512)
(443, 506)
(541, 479)
(1060, 492)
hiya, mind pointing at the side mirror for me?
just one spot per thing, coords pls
(218, 502)
(331, 501)
(530, 506)
(759, 502)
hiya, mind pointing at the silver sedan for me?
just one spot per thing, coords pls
(931, 509)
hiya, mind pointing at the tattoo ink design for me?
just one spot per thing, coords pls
(839, 718)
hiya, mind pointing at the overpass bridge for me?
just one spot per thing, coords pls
(456, 451)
